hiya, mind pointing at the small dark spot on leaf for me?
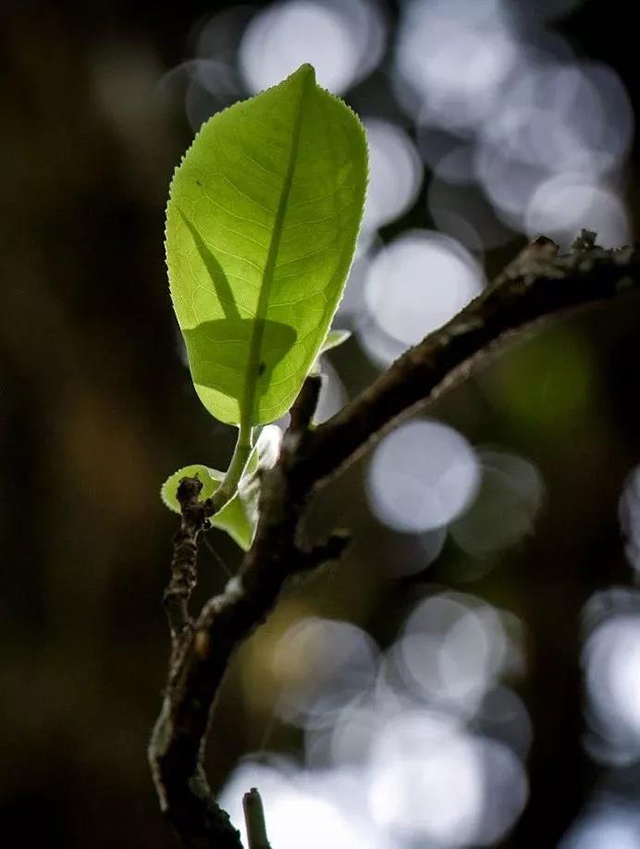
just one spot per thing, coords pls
(261, 369)
(198, 183)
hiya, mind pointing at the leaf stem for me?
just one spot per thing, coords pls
(229, 485)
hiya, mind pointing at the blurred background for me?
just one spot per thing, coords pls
(469, 675)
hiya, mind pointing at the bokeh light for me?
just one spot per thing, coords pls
(415, 285)
(561, 205)
(323, 665)
(431, 780)
(395, 173)
(505, 508)
(611, 660)
(452, 57)
(421, 476)
(559, 120)
(431, 752)
(451, 653)
(611, 826)
(397, 763)
(344, 41)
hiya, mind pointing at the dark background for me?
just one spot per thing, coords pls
(97, 408)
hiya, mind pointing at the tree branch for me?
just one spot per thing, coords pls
(198, 665)
(183, 564)
(539, 284)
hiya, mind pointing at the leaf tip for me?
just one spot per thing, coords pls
(306, 70)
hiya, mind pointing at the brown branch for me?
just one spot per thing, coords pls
(539, 284)
(197, 668)
(183, 564)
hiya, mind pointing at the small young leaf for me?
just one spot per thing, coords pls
(334, 338)
(234, 519)
(262, 221)
(239, 516)
(209, 478)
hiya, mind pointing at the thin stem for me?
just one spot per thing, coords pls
(195, 514)
(229, 485)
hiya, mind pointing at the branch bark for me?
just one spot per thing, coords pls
(538, 284)
(183, 564)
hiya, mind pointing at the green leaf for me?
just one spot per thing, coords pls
(334, 338)
(262, 221)
(210, 479)
(239, 516)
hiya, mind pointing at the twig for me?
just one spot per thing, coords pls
(183, 564)
(540, 283)
(254, 820)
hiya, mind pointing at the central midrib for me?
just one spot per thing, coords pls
(249, 395)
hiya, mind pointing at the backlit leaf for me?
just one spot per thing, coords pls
(209, 478)
(262, 221)
(334, 338)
